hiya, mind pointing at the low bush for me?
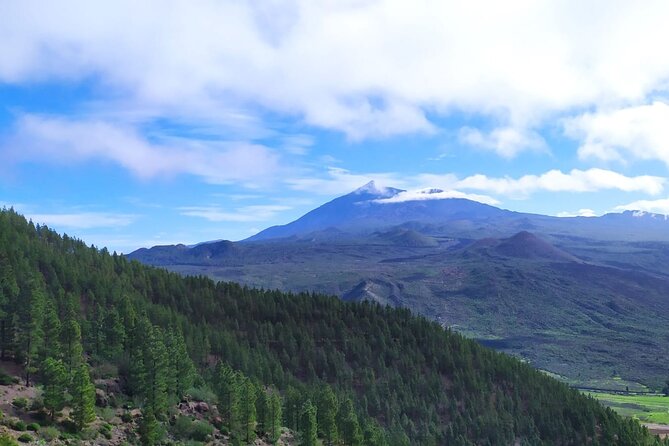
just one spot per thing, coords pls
(201, 431)
(202, 393)
(20, 402)
(88, 434)
(49, 433)
(186, 428)
(5, 379)
(25, 438)
(17, 425)
(33, 427)
(7, 440)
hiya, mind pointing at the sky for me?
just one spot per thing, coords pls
(130, 124)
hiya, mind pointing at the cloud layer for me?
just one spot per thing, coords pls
(367, 68)
(66, 141)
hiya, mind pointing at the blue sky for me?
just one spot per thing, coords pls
(132, 126)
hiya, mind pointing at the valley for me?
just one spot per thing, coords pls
(584, 308)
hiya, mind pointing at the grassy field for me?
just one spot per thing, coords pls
(648, 408)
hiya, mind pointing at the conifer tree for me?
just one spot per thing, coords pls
(150, 432)
(227, 388)
(262, 403)
(181, 368)
(9, 291)
(292, 407)
(247, 410)
(348, 425)
(273, 416)
(308, 425)
(72, 348)
(137, 371)
(156, 363)
(327, 415)
(374, 435)
(114, 334)
(55, 385)
(51, 332)
(83, 397)
(31, 310)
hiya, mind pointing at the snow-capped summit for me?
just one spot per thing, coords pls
(372, 188)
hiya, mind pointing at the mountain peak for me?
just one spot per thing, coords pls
(371, 188)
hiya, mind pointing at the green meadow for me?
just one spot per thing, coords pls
(647, 408)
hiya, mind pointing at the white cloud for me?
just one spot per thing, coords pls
(436, 194)
(660, 206)
(367, 68)
(579, 213)
(65, 141)
(506, 141)
(242, 214)
(556, 181)
(83, 220)
(341, 181)
(641, 132)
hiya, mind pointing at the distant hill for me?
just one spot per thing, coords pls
(525, 245)
(582, 297)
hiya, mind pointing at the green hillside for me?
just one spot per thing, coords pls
(350, 373)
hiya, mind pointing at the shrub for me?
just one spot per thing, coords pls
(107, 414)
(25, 438)
(201, 431)
(182, 427)
(20, 403)
(49, 433)
(17, 425)
(126, 417)
(203, 393)
(5, 379)
(37, 404)
(7, 440)
(186, 428)
(105, 370)
(88, 434)
(33, 427)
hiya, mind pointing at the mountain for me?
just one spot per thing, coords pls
(183, 348)
(371, 208)
(433, 211)
(546, 289)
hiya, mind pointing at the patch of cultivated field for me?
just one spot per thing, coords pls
(646, 408)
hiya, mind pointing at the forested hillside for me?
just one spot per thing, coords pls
(349, 373)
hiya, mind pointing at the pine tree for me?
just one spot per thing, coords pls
(248, 410)
(227, 388)
(114, 334)
(327, 415)
(156, 363)
(150, 432)
(51, 332)
(83, 397)
(262, 411)
(181, 370)
(292, 406)
(137, 371)
(348, 426)
(308, 425)
(374, 435)
(72, 348)
(9, 292)
(31, 310)
(273, 423)
(55, 383)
